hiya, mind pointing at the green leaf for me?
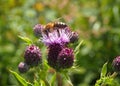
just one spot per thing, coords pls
(46, 64)
(76, 53)
(68, 79)
(26, 39)
(20, 79)
(78, 47)
(52, 81)
(98, 82)
(36, 83)
(104, 70)
(42, 83)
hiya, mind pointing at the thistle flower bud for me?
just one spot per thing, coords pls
(37, 30)
(65, 58)
(74, 37)
(53, 52)
(32, 55)
(23, 67)
(116, 64)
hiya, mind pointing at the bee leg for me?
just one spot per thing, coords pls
(58, 32)
(46, 32)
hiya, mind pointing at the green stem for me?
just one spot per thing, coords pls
(68, 79)
(59, 79)
(46, 82)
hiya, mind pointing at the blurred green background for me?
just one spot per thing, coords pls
(96, 21)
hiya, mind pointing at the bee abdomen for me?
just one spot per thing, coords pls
(60, 25)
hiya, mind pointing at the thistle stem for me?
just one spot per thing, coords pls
(59, 79)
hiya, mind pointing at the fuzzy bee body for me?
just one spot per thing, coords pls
(53, 26)
(60, 25)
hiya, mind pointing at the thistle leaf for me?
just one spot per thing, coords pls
(20, 79)
(77, 48)
(52, 81)
(104, 70)
(26, 39)
(36, 83)
(42, 83)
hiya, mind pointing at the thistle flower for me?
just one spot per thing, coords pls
(23, 67)
(56, 36)
(65, 58)
(53, 53)
(116, 64)
(37, 30)
(74, 37)
(32, 55)
(55, 33)
(59, 36)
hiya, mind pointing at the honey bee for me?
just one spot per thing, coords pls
(53, 26)
(60, 25)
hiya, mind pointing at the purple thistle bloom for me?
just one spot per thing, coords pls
(53, 53)
(32, 55)
(37, 30)
(116, 64)
(55, 33)
(65, 58)
(56, 36)
(74, 37)
(60, 57)
(23, 67)
(60, 36)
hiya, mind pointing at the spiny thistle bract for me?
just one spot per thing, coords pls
(65, 58)
(32, 55)
(53, 52)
